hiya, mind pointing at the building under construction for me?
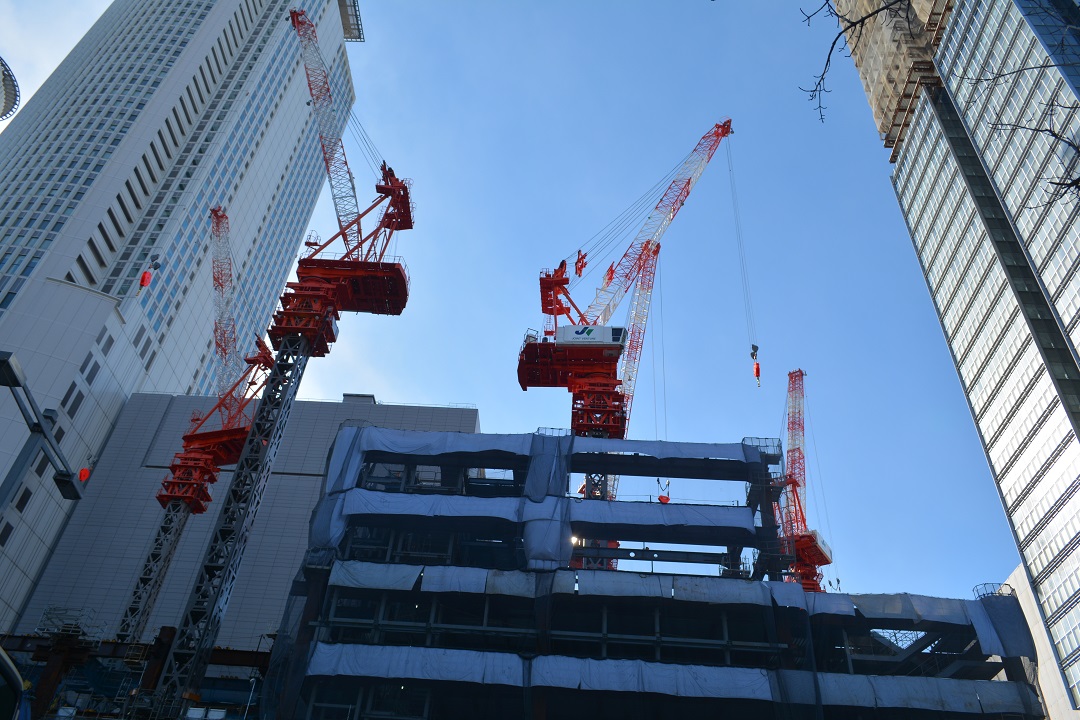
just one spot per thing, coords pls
(447, 576)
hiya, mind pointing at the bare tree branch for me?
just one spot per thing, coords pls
(1069, 180)
(847, 38)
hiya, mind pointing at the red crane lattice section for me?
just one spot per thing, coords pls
(805, 546)
(337, 168)
(216, 438)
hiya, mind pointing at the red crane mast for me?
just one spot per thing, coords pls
(213, 440)
(361, 279)
(807, 548)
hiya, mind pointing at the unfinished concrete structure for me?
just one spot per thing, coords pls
(445, 578)
(893, 47)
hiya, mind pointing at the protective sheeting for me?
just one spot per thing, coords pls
(1008, 620)
(374, 576)
(624, 584)
(548, 461)
(407, 663)
(548, 524)
(442, 578)
(886, 607)
(510, 582)
(989, 642)
(635, 676)
(545, 510)
(347, 455)
(546, 536)
(727, 591)
(359, 501)
(787, 594)
(327, 527)
(659, 522)
(662, 450)
(998, 622)
(830, 604)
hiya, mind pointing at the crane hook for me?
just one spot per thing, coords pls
(757, 365)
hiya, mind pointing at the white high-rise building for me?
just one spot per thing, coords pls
(165, 109)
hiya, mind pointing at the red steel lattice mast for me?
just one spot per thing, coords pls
(806, 546)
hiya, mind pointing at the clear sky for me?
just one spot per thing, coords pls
(527, 127)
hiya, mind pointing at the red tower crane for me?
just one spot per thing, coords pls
(809, 550)
(597, 363)
(213, 440)
(360, 279)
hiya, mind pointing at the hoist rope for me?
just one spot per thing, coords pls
(371, 153)
(600, 245)
(748, 303)
(372, 157)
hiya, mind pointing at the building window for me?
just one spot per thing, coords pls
(76, 402)
(5, 533)
(24, 500)
(67, 396)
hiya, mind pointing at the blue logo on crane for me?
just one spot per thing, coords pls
(586, 331)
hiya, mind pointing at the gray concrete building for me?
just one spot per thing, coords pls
(165, 109)
(92, 572)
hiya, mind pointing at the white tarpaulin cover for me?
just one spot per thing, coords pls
(375, 576)
(786, 594)
(829, 604)
(416, 663)
(641, 514)
(662, 450)
(443, 578)
(720, 590)
(544, 509)
(602, 582)
(346, 457)
(547, 466)
(886, 607)
(359, 501)
(510, 582)
(838, 690)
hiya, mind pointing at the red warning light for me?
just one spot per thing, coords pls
(84, 474)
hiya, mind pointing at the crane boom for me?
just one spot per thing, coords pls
(342, 187)
(621, 276)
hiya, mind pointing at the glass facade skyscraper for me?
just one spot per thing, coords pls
(983, 139)
(163, 110)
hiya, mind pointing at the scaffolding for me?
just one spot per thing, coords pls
(893, 52)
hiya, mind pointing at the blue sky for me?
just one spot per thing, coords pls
(527, 127)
